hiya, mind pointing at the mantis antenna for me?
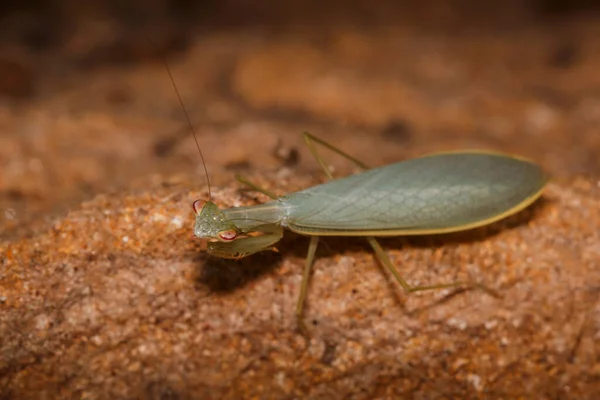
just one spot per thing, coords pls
(189, 122)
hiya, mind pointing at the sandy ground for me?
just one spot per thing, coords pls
(104, 294)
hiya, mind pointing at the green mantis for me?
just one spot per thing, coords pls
(439, 193)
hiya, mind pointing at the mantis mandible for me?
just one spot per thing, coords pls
(439, 193)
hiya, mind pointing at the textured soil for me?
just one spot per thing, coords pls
(105, 294)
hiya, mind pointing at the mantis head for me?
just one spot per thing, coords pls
(225, 239)
(211, 224)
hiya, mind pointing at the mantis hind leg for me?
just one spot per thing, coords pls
(385, 261)
(310, 142)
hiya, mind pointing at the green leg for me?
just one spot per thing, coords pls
(254, 186)
(385, 261)
(314, 240)
(310, 258)
(311, 140)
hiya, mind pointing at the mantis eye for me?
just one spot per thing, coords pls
(197, 205)
(228, 235)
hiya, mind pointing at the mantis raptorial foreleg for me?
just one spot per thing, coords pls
(263, 237)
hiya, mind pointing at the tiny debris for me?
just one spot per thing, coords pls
(10, 214)
(288, 155)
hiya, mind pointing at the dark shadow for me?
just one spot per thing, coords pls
(225, 275)
(398, 131)
(564, 8)
(158, 390)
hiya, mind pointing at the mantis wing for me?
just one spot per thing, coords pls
(434, 194)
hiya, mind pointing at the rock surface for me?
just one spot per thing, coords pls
(104, 294)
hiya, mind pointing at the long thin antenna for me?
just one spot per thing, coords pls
(187, 117)
(192, 130)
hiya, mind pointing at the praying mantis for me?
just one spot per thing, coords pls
(433, 194)
(438, 193)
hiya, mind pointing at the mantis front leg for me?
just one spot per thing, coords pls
(261, 238)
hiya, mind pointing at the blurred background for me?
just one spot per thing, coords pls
(87, 107)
